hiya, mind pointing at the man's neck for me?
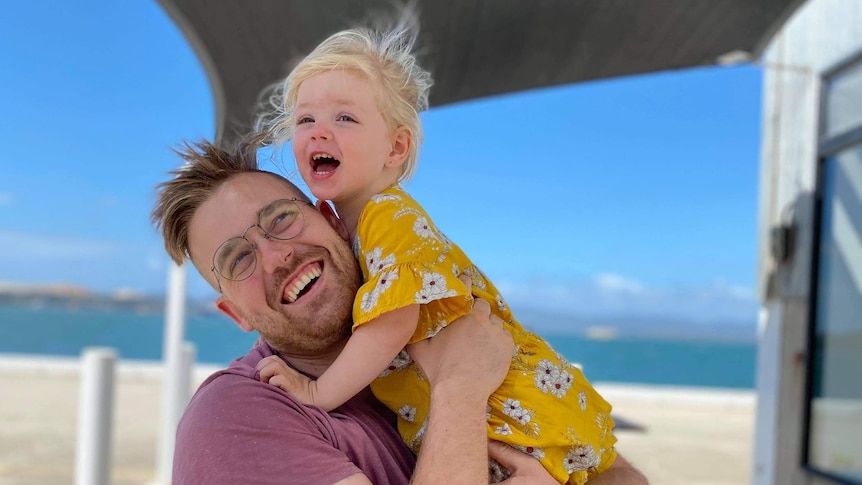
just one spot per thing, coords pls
(315, 366)
(311, 365)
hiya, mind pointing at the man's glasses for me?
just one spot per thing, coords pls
(236, 258)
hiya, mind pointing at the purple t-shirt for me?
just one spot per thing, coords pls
(238, 430)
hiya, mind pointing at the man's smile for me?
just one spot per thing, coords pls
(302, 282)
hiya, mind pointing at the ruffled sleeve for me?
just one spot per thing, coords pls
(406, 260)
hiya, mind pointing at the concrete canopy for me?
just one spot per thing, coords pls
(474, 48)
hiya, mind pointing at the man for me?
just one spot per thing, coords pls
(256, 238)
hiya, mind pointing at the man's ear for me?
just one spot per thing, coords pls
(402, 140)
(228, 308)
(332, 218)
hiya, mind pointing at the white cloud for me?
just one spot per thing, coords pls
(610, 295)
(20, 246)
(7, 198)
(613, 282)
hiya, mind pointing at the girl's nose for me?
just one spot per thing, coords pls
(321, 132)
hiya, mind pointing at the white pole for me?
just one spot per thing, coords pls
(95, 416)
(187, 374)
(174, 398)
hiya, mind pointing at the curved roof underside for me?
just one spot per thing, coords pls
(473, 48)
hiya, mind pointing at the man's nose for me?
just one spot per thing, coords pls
(272, 253)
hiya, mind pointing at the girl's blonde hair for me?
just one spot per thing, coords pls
(386, 58)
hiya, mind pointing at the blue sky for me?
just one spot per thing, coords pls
(632, 195)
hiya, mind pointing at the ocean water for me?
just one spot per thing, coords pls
(58, 332)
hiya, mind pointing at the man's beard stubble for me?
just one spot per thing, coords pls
(324, 322)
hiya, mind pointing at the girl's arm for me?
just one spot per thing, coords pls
(370, 349)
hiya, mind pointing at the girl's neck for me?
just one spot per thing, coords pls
(350, 210)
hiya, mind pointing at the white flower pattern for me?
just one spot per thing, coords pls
(581, 458)
(407, 413)
(477, 277)
(501, 304)
(503, 430)
(511, 407)
(422, 228)
(561, 385)
(375, 262)
(433, 288)
(546, 375)
(400, 362)
(369, 300)
(378, 198)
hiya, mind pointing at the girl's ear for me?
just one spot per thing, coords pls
(228, 308)
(402, 141)
(332, 218)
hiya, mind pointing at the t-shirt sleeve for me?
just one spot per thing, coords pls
(405, 260)
(236, 431)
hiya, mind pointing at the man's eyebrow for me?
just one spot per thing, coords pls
(222, 255)
(267, 210)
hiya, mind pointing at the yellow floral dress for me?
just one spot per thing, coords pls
(545, 407)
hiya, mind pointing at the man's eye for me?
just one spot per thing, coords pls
(240, 263)
(281, 223)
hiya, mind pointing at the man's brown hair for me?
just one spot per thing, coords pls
(205, 169)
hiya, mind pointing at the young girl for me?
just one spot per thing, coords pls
(351, 109)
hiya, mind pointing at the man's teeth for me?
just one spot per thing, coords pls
(301, 282)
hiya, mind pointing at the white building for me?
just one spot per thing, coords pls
(809, 377)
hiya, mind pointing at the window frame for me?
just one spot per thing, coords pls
(827, 147)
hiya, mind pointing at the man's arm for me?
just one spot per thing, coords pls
(621, 472)
(464, 364)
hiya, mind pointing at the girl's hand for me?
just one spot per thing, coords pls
(274, 371)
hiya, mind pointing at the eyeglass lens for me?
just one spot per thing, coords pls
(235, 259)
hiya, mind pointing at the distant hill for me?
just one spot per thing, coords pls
(76, 298)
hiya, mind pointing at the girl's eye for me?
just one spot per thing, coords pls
(345, 118)
(304, 119)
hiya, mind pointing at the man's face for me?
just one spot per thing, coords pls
(266, 301)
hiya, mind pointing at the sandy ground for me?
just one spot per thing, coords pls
(676, 436)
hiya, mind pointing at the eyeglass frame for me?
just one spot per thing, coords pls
(266, 235)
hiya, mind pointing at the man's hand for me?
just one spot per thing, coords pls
(276, 372)
(472, 354)
(523, 469)
(464, 364)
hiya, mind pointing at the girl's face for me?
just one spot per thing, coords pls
(344, 149)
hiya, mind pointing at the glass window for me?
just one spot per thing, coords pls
(844, 101)
(835, 414)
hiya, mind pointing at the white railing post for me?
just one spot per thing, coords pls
(187, 375)
(174, 397)
(95, 416)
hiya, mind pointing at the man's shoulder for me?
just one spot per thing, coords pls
(236, 394)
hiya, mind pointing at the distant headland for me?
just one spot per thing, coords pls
(78, 298)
